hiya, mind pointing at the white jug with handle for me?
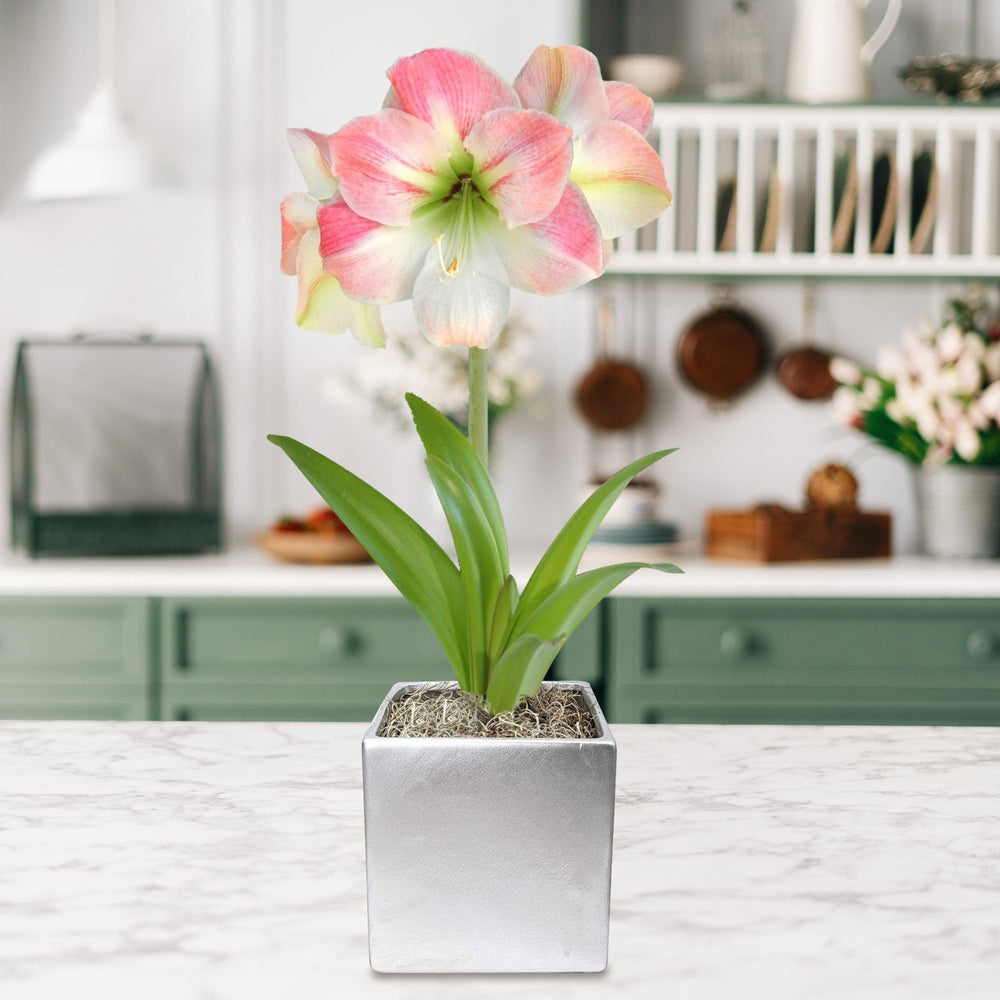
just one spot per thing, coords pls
(829, 59)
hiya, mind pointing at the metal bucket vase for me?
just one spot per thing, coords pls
(958, 511)
(488, 854)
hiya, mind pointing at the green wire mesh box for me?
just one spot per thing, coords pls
(115, 447)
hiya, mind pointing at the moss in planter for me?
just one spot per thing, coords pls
(553, 713)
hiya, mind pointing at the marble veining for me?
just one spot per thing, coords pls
(217, 860)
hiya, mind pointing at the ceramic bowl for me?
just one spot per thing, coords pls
(637, 505)
(656, 76)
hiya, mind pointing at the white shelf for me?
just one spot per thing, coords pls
(798, 150)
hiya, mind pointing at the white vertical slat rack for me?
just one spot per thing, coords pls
(806, 155)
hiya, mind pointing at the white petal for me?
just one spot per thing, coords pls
(468, 305)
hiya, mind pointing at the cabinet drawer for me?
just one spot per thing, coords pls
(73, 640)
(372, 641)
(811, 642)
(266, 703)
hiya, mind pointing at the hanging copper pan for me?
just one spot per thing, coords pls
(612, 394)
(722, 352)
(805, 371)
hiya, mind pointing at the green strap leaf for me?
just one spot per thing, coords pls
(562, 558)
(528, 657)
(500, 623)
(446, 442)
(560, 613)
(481, 573)
(420, 569)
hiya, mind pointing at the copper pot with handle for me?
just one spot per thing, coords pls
(612, 394)
(805, 370)
(722, 351)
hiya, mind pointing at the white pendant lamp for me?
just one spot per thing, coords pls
(99, 156)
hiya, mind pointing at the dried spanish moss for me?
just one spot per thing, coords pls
(553, 713)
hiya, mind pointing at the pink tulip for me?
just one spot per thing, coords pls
(846, 407)
(322, 304)
(845, 372)
(618, 172)
(450, 195)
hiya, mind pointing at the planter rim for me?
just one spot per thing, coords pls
(403, 687)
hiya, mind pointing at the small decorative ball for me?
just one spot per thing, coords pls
(832, 485)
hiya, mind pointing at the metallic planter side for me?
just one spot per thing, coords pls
(488, 855)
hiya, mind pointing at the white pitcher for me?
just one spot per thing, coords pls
(829, 59)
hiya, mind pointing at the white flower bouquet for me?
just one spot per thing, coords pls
(411, 363)
(936, 398)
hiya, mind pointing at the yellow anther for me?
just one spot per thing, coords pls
(449, 270)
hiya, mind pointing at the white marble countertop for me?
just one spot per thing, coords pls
(250, 572)
(225, 860)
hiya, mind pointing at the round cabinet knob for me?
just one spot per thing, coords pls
(981, 644)
(336, 640)
(736, 642)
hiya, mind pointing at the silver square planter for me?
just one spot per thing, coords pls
(488, 855)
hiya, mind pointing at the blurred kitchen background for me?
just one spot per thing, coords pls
(208, 87)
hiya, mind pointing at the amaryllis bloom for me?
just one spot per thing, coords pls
(618, 172)
(450, 195)
(322, 304)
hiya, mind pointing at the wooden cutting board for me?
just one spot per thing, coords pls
(771, 533)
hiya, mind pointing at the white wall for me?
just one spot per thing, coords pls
(210, 87)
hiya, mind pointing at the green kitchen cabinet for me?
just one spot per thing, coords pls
(75, 658)
(289, 658)
(305, 659)
(930, 661)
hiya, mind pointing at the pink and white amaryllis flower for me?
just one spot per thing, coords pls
(450, 195)
(322, 304)
(619, 173)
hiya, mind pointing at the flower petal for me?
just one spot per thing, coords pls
(448, 89)
(630, 105)
(468, 306)
(562, 251)
(621, 176)
(374, 263)
(298, 215)
(312, 153)
(566, 82)
(323, 305)
(522, 161)
(389, 164)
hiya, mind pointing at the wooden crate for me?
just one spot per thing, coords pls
(772, 533)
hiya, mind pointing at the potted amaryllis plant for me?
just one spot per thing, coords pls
(483, 854)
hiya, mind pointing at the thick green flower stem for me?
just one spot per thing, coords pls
(479, 436)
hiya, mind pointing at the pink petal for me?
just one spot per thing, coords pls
(298, 214)
(450, 90)
(389, 164)
(630, 105)
(621, 176)
(374, 263)
(312, 153)
(523, 160)
(566, 82)
(469, 306)
(322, 304)
(562, 251)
